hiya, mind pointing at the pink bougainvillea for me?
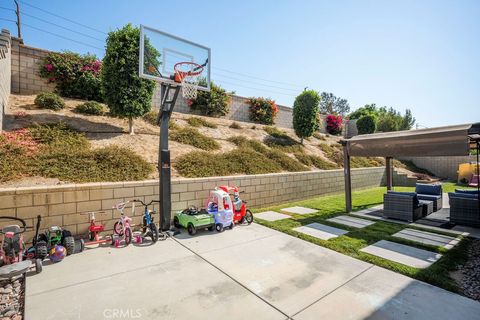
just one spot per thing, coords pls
(334, 124)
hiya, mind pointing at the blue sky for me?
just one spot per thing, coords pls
(422, 55)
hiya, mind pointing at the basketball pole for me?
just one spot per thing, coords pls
(164, 165)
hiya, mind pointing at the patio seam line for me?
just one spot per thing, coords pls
(238, 244)
(232, 278)
(104, 277)
(333, 290)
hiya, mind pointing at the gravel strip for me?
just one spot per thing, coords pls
(469, 281)
(12, 298)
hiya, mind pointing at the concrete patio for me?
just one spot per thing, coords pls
(251, 272)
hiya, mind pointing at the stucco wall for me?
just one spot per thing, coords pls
(61, 205)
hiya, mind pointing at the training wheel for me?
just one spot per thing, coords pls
(138, 239)
(117, 243)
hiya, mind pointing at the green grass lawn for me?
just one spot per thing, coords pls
(351, 243)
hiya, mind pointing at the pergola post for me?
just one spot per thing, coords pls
(348, 179)
(389, 171)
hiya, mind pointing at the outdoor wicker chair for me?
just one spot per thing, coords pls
(464, 208)
(402, 206)
(430, 192)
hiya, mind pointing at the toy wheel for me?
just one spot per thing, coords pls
(117, 243)
(138, 239)
(176, 223)
(219, 227)
(81, 246)
(118, 228)
(38, 266)
(191, 229)
(128, 236)
(153, 232)
(41, 250)
(113, 240)
(91, 236)
(248, 216)
(211, 228)
(69, 244)
(231, 226)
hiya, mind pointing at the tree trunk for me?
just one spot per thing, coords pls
(130, 126)
(301, 140)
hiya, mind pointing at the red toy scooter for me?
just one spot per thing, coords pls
(240, 213)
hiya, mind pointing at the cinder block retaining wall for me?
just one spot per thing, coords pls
(442, 167)
(61, 205)
(5, 70)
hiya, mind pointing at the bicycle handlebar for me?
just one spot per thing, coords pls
(24, 224)
(145, 204)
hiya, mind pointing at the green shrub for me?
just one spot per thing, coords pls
(214, 103)
(315, 161)
(151, 117)
(200, 122)
(243, 142)
(276, 133)
(90, 107)
(192, 137)
(365, 162)
(126, 94)
(366, 124)
(284, 144)
(235, 125)
(74, 75)
(305, 111)
(287, 163)
(254, 127)
(262, 110)
(319, 136)
(49, 100)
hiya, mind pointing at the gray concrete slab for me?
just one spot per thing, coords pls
(299, 210)
(170, 290)
(287, 272)
(351, 221)
(470, 231)
(429, 238)
(271, 216)
(379, 294)
(208, 241)
(320, 231)
(401, 253)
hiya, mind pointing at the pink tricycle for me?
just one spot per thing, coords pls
(122, 230)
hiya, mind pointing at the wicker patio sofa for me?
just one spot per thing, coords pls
(430, 192)
(464, 207)
(402, 206)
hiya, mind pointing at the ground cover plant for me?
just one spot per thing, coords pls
(235, 125)
(315, 161)
(194, 138)
(350, 244)
(49, 100)
(56, 151)
(90, 108)
(200, 122)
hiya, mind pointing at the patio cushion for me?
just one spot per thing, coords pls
(430, 197)
(462, 195)
(469, 191)
(433, 189)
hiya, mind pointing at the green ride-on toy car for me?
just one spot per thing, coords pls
(55, 235)
(194, 219)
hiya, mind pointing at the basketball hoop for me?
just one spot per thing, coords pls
(188, 74)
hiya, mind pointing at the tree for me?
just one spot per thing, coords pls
(408, 120)
(387, 119)
(126, 94)
(305, 110)
(368, 109)
(366, 124)
(330, 104)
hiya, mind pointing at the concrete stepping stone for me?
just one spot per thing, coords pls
(410, 256)
(320, 231)
(351, 221)
(430, 238)
(299, 210)
(271, 216)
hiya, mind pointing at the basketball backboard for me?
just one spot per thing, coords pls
(160, 52)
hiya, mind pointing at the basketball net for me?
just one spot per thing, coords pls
(188, 74)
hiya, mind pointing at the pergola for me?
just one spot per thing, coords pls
(433, 142)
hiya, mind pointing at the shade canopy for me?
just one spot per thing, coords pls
(440, 141)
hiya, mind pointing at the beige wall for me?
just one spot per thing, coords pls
(442, 167)
(5, 65)
(61, 205)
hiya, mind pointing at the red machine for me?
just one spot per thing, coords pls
(240, 212)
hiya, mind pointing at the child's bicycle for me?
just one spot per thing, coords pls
(122, 230)
(149, 228)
